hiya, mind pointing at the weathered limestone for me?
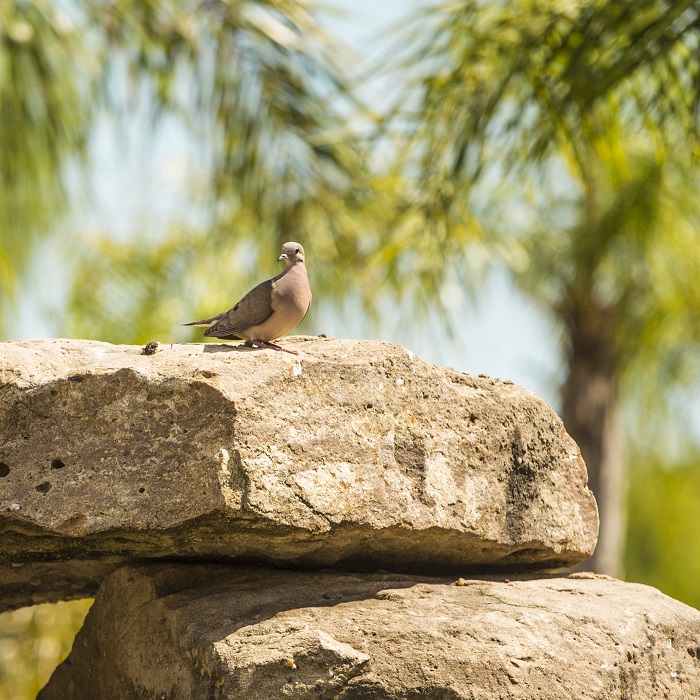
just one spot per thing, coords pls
(182, 632)
(356, 454)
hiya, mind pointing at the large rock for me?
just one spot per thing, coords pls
(186, 632)
(354, 454)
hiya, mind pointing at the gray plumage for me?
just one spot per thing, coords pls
(269, 310)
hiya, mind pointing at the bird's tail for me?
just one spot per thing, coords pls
(204, 322)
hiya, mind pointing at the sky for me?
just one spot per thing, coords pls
(499, 333)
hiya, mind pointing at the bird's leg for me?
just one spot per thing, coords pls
(272, 346)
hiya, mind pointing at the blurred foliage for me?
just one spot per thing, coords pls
(259, 87)
(571, 130)
(33, 641)
(137, 287)
(44, 117)
(662, 545)
(258, 82)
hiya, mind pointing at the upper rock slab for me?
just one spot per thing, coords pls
(353, 454)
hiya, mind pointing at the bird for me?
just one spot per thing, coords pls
(269, 310)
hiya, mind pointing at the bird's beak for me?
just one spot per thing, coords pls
(284, 256)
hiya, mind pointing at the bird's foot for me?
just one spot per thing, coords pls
(272, 346)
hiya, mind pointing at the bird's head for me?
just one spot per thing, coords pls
(292, 253)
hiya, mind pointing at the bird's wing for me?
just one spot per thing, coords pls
(255, 308)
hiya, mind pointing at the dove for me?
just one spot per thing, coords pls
(269, 310)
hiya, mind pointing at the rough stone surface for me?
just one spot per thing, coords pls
(355, 454)
(182, 632)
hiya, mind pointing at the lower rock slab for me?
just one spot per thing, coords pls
(191, 631)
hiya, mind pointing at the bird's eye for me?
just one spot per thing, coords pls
(297, 250)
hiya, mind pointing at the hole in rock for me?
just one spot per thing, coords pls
(57, 464)
(4, 469)
(43, 487)
(142, 489)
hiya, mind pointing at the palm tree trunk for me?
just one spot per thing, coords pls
(591, 414)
